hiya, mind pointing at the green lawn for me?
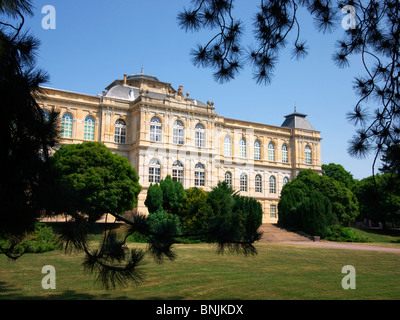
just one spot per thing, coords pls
(278, 272)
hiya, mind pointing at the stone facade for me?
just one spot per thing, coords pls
(163, 131)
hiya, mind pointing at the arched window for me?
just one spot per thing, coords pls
(272, 184)
(88, 131)
(199, 175)
(155, 129)
(271, 152)
(307, 155)
(228, 178)
(199, 135)
(258, 183)
(66, 126)
(285, 157)
(154, 171)
(178, 134)
(227, 146)
(177, 172)
(285, 180)
(120, 131)
(242, 148)
(257, 150)
(243, 182)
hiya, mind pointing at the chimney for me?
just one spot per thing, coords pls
(180, 90)
(125, 78)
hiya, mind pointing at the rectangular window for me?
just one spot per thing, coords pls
(199, 179)
(177, 175)
(272, 211)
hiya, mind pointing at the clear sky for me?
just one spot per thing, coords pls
(97, 41)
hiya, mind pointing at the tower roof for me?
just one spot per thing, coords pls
(297, 120)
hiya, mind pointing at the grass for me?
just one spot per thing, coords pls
(279, 271)
(388, 236)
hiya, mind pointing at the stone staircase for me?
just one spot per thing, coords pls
(273, 233)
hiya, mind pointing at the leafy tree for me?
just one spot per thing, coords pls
(338, 173)
(195, 212)
(374, 38)
(154, 198)
(297, 193)
(27, 134)
(97, 180)
(379, 198)
(316, 214)
(173, 194)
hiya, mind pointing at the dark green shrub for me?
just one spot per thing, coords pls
(41, 239)
(343, 234)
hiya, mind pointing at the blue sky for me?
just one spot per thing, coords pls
(97, 41)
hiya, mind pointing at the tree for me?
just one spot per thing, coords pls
(374, 36)
(93, 181)
(379, 198)
(173, 194)
(154, 198)
(316, 214)
(96, 180)
(338, 173)
(27, 133)
(343, 204)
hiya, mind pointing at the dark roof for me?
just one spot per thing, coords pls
(297, 120)
(142, 76)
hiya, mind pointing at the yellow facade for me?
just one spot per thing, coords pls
(163, 131)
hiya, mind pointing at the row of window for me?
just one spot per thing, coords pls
(199, 176)
(178, 137)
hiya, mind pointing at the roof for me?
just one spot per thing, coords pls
(297, 120)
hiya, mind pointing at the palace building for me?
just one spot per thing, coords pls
(163, 131)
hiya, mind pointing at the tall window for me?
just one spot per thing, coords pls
(177, 172)
(257, 150)
(88, 131)
(272, 211)
(155, 129)
(228, 178)
(285, 180)
(154, 171)
(178, 132)
(285, 157)
(271, 152)
(199, 175)
(307, 155)
(227, 146)
(66, 126)
(272, 184)
(242, 148)
(258, 183)
(200, 135)
(243, 182)
(120, 131)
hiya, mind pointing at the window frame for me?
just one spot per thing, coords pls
(89, 128)
(242, 148)
(154, 171)
(243, 182)
(258, 183)
(199, 175)
(178, 135)
(120, 131)
(155, 129)
(199, 135)
(67, 125)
